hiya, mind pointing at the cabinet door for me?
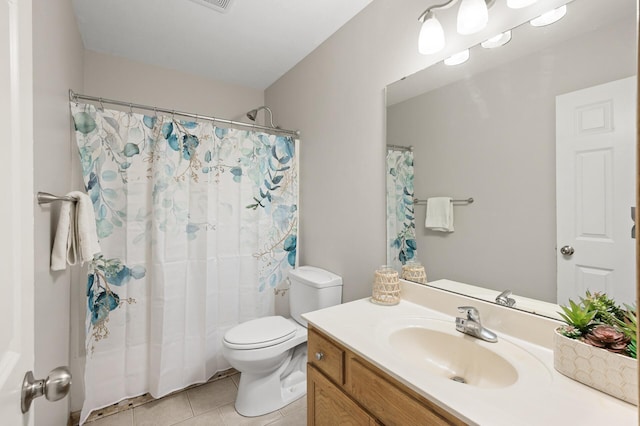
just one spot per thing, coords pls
(328, 405)
(390, 404)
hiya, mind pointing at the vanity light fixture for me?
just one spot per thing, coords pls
(519, 4)
(549, 17)
(473, 16)
(497, 41)
(458, 58)
(431, 39)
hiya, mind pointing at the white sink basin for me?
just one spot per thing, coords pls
(435, 347)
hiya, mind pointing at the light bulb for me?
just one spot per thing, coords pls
(473, 16)
(519, 4)
(497, 41)
(431, 39)
(458, 58)
(549, 17)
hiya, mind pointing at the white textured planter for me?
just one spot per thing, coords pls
(598, 368)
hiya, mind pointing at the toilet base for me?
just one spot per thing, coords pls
(259, 395)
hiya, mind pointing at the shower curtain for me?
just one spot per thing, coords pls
(197, 225)
(401, 225)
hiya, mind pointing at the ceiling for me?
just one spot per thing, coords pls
(252, 44)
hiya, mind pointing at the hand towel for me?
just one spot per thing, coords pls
(76, 238)
(64, 249)
(439, 214)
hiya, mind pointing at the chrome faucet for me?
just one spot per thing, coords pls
(504, 299)
(472, 326)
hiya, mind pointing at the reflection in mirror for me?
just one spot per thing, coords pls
(401, 223)
(541, 133)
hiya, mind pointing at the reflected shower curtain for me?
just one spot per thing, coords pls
(197, 225)
(401, 225)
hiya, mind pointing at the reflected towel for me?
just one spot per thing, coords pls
(76, 238)
(439, 214)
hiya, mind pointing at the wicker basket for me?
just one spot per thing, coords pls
(414, 271)
(386, 286)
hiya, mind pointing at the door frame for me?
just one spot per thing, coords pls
(17, 211)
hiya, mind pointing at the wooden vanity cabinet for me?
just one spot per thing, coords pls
(345, 389)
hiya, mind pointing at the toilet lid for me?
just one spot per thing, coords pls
(260, 333)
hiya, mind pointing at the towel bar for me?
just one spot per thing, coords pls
(466, 201)
(46, 198)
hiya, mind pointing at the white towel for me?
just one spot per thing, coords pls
(76, 238)
(439, 214)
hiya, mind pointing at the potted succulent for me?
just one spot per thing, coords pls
(598, 345)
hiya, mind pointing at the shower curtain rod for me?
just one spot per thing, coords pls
(76, 96)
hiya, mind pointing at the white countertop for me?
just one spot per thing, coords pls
(540, 397)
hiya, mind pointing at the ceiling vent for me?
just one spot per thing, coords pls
(221, 6)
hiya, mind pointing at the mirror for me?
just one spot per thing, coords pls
(488, 128)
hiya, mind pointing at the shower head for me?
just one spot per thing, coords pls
(254, 113)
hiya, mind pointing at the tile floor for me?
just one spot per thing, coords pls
(208, 405)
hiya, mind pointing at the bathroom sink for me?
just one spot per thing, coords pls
(434, 346)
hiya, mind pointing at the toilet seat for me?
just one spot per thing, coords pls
(260, 333)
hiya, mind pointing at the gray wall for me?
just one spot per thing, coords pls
(57, 66)
(498, 146)
(112, 77)
(335, 96)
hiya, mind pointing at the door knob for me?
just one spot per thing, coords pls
(54, 387)
(567, 250)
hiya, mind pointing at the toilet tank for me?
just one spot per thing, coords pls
(312, 289)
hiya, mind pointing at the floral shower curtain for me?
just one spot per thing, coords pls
(197, 224)
(401, 225)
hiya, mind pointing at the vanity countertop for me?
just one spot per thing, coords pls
(545, 397)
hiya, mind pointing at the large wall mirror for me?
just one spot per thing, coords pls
(541, 133)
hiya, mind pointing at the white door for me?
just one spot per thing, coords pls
(595, 190)
(16, 208)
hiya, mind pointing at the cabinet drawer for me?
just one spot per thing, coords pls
(326, 356)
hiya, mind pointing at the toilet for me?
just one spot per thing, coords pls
(271, 352)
